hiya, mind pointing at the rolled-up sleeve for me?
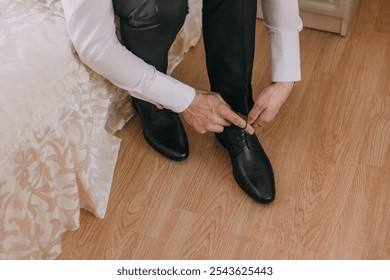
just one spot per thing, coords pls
(281, 18)
(91, 28)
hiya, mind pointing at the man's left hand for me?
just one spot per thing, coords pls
(269, 102)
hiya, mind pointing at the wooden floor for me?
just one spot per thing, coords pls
(330, 151)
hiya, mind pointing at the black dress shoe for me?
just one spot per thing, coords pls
(163, 130)
(251, 166)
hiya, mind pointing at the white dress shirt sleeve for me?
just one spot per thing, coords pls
(91, 28)
(281, 17)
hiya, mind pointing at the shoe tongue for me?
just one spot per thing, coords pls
(243, 137)
(249, 141)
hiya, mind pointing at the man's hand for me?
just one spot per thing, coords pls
(210, 113)
(269, 102)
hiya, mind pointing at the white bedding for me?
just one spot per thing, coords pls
(57, 151)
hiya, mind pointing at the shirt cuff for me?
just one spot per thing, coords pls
(168, 92)
(285, 53)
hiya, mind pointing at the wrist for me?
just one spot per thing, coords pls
(285, 85)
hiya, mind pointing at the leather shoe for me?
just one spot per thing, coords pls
(163, 130)
(251, 166)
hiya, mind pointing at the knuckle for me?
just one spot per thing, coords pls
(225, 107)
(201, 130)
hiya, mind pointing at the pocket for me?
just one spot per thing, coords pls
(143, 15)
(144, 22)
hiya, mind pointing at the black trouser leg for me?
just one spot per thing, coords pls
(229, 38)
(229, 33)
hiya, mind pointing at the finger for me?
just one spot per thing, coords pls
(222, 121)
(258, 122)
(233, 118)
(215, 128)
(249, 129)
(238, 121)
(266, 116)
(255, 113)
(200, 130)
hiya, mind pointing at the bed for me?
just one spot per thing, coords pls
(57, 120)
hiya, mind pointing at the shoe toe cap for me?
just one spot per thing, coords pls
(259, 186)
(173, 146)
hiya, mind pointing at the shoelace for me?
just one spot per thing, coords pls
(241, 137)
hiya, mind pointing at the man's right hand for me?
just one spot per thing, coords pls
(208, 112)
